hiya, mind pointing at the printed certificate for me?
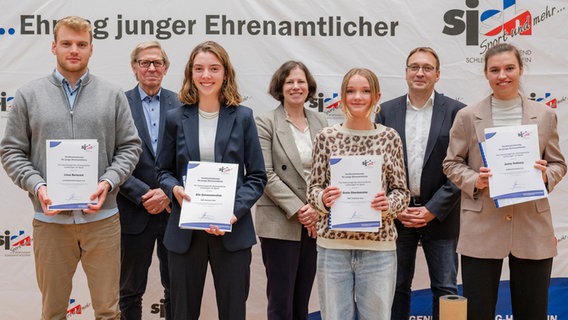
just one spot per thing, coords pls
(510, 152)
(359, 179)
(72, 173)
(212, 187)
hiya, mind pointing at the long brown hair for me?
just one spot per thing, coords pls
(229, 94)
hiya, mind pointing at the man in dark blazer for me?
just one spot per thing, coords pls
(144, 207)
(423, 119)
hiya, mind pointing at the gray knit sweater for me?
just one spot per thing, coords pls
(41, 111)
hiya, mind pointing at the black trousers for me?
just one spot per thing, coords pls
(136, 256)
(231, 278)
(290, 272)
(529, 283)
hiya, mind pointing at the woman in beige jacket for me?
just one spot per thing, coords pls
(522, 232)
(284, 222)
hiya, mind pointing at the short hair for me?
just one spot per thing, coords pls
(500, 48)
(75, 23)
(426, 50)
(148, 45)
(280, 75)
(373, 86)
(229, 95)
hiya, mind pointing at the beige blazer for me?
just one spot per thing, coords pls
(524, 230)
(285, 191)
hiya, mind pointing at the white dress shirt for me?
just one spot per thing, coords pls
(417, 126)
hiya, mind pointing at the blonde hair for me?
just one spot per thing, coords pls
(229, 94)
(75, 23)
(373, 84)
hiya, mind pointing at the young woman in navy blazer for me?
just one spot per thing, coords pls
(211, 126)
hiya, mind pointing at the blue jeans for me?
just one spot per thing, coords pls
(356, 283)
(442, 261)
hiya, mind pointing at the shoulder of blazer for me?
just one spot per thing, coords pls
(132, 94)
(267, 117)
(393, 103)
(447, 102)
(171, 96)
(240, 112)
(316, 116)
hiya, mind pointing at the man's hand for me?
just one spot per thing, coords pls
(156, 201)
(415, 217)
(45, 201)
(101, 193)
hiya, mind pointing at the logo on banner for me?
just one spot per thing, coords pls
(159, 308)
(330, 105)
(325, 104)
(489, 27)
(547, 99)
(5, 102)
(75, 308)
(16, 245)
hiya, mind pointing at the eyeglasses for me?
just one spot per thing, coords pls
(425, 68)
(146, 63)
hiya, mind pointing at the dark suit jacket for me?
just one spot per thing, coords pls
(236, 141)
(133, 215)
(439, 195)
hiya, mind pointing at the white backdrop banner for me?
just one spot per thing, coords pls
(330, 37)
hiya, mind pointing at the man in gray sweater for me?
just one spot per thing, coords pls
(71, 103)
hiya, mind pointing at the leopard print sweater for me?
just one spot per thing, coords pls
(340, 141)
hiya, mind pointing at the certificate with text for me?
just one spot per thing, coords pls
(211, 187)
(511, 153)
(72, 173)
(359, 179)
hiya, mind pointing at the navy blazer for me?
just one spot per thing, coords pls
(236, 141)
(133, 215)
(439, 194)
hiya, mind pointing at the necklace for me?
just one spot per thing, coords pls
(208, 115)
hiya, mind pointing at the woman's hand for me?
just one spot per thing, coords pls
(329, 195)
(214, 230)
(309, 217)
(179, 194)
(541, 165)
(380, 202)
(482, 180)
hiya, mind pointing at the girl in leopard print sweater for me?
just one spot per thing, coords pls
(357, 270)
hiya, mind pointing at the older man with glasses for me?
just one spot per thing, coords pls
(144, 207)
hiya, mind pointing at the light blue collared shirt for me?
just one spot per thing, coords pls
(151, 107)
(69, 92)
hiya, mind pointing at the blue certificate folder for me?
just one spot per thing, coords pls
(212, 187)
(513, 197)
(359, 178)
(72, 173)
